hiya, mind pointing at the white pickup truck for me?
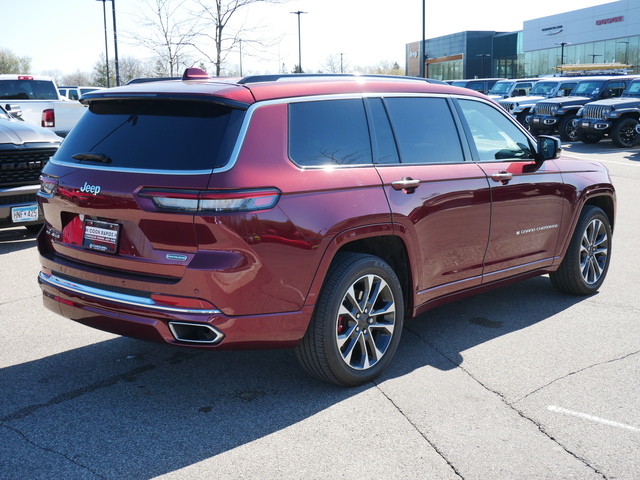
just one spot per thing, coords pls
(36, 100)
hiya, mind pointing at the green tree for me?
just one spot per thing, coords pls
(11, 63)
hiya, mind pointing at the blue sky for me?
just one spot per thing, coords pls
(69, 35)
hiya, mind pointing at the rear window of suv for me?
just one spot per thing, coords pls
(154, 135)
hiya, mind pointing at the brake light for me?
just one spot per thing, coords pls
(48, 118)
(25, 77)
(212, 200)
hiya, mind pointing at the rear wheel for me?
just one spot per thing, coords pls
(356, 326)
(586, 262)
(566, 129)
(624, 134)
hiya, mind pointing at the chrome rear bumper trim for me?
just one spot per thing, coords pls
(119, 298)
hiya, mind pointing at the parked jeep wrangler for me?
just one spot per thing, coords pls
(546, 88)
(557, 114)
(617, 118)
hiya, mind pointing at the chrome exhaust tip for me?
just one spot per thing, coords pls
(195, 333)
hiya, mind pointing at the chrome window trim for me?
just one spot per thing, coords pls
(119, 298)
(235, 153)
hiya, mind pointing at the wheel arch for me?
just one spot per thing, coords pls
(379, 241)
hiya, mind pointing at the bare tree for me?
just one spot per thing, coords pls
(77, 78)
(168, 30)
(11, 63)
(335, 63)
(217, 15)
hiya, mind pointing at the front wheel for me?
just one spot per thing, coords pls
(590, 138)
(624, 134)
(355, 329)
(567, 129)
(586, 262)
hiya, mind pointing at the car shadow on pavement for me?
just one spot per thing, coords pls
(122, 408)
(15, 239)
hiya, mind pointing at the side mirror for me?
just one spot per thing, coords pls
(14, 110)
(548, 147)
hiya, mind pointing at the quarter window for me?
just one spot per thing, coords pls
(329, 132)
(495, 137)
(424, 129)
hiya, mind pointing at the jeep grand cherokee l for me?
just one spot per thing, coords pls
(318, 213)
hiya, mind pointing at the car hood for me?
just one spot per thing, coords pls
(17, 132)
(527, 99)
(610, 102)
(569, 100)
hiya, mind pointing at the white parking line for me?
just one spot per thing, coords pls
(604, 421)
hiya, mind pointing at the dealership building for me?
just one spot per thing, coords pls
(603, 34)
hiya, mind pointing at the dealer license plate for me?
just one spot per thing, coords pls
(24, 214)
(101, 236)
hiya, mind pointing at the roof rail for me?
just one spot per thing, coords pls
(276, 77)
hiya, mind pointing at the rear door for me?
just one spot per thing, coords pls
(440, 202)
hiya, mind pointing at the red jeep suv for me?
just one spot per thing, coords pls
(315, 212)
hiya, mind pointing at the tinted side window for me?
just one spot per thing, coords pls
(424, 130)
(385, 144)
(495, 137)
(329, 132)
(616, 88)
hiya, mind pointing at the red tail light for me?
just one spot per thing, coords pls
(212, 200)
(48, 118)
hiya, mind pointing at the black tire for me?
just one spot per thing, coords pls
(536, 131)
(522, 118)
(350, 341)
(34, 228)
(586, 262)
(566, 129)
(589, 138)
(623, 133)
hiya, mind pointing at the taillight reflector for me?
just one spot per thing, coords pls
(212, 200)
(182, 302)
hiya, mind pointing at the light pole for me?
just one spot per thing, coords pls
(593, 57)
(115, 40)
(482, 55)
(421, 49)
(106, 44)
(299, 42)
(562, 44)
(240, 41)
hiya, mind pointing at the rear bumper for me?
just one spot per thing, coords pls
(137, 316)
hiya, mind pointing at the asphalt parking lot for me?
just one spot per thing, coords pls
(518, 383)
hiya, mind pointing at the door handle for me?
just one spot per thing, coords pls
(406, 184)
(502, 177)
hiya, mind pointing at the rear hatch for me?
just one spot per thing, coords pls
(99, 193)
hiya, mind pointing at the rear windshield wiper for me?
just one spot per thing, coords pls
(92, 157)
